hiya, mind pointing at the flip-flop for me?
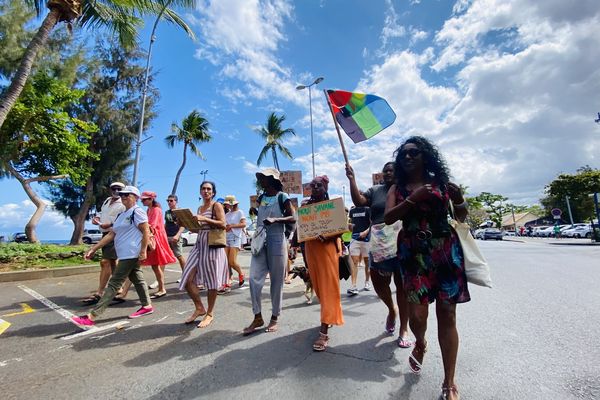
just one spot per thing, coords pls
(191, 321)
(253, 328)
(404, 343)
(272, 327)
(158, 295)
(93, 299)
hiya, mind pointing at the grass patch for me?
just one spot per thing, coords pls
(28, 256)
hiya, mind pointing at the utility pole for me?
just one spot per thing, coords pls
(569, 209)
(203, 173)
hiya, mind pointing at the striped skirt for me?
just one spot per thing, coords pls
(205, 266)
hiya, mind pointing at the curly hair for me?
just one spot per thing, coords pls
(434, 165)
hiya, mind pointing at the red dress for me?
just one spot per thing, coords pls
(163, 254)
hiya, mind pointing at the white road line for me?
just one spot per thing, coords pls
(94, 330)
(51, 305)
(162, 319)
(173, 270)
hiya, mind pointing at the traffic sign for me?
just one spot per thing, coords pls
(556, 212)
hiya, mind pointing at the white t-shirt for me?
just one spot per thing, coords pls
(109, 211)
(128, 237)
(233, 218)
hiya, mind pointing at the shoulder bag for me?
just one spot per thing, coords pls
(216, 236)
(476, 267)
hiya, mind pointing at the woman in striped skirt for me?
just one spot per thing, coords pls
(206, 266)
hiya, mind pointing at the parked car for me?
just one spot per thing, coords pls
(584, 231)
(537, 229)
(20, 237)
(189, 238)
(491, 234)
(546, 232)
(91, 236)
(509, 233)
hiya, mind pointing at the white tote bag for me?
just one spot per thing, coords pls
(476, 267)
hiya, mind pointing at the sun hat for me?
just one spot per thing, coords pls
(148, 195)
(269, 172)
(119, 184)
(130, 189)
(230, 199)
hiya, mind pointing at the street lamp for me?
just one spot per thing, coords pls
(203, 173)
(312, 140)
(138, 143)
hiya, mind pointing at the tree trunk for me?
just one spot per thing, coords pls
(174, 191)
(80, 218)
(17, 84)
(275, 162)
(35, 199)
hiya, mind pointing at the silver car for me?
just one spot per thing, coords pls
(91, 236)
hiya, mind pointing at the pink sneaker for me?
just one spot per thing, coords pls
(141, 312)
(83, 322)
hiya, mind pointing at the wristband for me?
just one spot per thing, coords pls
(409, 201)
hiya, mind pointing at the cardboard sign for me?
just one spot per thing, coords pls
(377, 178)
(306, 189)
(292, 181)
(187, 219)
(325, 218)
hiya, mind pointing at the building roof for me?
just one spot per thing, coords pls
(520, 219)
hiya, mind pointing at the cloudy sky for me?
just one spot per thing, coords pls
(507, 89)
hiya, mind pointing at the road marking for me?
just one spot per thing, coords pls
(3, 326)
(50, 304)
(162, 319)
(173, 270)
(26, 310)
(95, 329)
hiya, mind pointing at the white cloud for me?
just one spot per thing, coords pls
(14, 217)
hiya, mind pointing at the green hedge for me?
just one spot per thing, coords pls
(19, 256)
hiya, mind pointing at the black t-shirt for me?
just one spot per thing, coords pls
(170, 226)
(361, 219)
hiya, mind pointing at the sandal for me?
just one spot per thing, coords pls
(404, 343)
(197, 314)
(241, 280)
(321, 343)
(390, 325)
(253, 327)
(158, 295)
(449, 390)
(414, 364)
(272, 327)
(93, 299)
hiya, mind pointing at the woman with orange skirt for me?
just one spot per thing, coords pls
(322, 256)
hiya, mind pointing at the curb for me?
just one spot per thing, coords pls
(47, 273)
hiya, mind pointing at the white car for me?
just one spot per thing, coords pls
(189, 238)
(91, 236)
(584, 231)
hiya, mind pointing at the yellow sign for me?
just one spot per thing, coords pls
(325, 218)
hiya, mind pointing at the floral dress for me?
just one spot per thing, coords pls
(431, 257)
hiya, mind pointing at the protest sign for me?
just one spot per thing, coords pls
(292, 181)
(186, 219)
(377, 178)
(325, 218)
(306, 189)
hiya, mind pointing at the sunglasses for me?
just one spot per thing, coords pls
(411, 152)
(316, 185)
(124, 194)
(171, 200)
(116, 189)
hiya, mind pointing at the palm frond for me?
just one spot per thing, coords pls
(174, 18)
(263, 154)
(284, 150)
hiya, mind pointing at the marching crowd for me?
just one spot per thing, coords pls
(400, 231)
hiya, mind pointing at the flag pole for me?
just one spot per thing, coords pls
(337, 128)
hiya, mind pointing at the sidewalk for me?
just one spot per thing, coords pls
(552, 241)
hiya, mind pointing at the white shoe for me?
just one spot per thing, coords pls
(367, 286)
(178, 280)
(153, 285)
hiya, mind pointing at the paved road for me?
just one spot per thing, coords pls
(534, 336)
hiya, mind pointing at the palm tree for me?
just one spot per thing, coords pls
(272, 133)
(121, 17)
(193, 130)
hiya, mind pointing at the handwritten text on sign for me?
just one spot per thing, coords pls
(326, 218)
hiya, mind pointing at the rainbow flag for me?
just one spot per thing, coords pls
(362, 116)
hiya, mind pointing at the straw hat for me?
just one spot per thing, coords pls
(230, 199)
(269, 172)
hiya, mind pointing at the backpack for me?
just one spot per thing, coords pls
(289, 227)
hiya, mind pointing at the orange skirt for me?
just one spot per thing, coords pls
(323, 267)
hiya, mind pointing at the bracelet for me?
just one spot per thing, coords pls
(409, 201)
(464, 204)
